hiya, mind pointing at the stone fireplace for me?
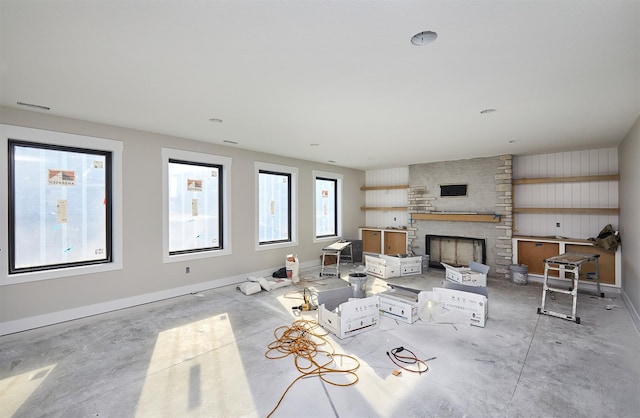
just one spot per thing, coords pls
(484, 212)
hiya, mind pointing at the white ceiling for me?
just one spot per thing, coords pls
(282, 75)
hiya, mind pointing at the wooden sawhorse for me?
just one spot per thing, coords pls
(336, 249)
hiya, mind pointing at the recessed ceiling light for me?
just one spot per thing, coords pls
(227, 141)
(485, 111)
(315, 145)
(33, 105)
(423, 38)
(215, 120)
(331, 161)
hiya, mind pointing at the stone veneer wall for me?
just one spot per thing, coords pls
(489, 190)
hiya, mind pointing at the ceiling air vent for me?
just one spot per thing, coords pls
(451, 190)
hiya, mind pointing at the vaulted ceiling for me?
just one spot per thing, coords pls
(335, 80)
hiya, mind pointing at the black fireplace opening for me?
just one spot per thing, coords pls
(455, 251)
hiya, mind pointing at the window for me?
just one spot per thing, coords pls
(59, 206)
(276, 204)
(62, 205)
(327, 204)
(195, 195)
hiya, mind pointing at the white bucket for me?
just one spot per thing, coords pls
(519, 273)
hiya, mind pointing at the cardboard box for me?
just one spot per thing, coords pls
(473, 301)
(383, 268)
(408, 265)
(350, 318)
(474, 275)
(399, 304)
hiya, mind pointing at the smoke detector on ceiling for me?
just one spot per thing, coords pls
(424, 38)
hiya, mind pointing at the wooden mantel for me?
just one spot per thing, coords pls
(458, 217)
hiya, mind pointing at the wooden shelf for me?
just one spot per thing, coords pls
(399, 186)
(576, 179)
(459, 217)
(601, 211)
(383, 208)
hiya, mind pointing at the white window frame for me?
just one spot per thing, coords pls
(339, 178)
(197, 157)
(293, 172)
(8, 132)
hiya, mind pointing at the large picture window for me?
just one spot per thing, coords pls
(195, 190)
(59, 207)
(195, 206)
(327, 198)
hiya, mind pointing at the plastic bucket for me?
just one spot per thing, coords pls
(358, 282)
(519, 273)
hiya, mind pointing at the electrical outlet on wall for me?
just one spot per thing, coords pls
(187, 270)
(557, 224)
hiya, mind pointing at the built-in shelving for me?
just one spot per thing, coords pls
(574, 179)
(384, 208)
(399, 186)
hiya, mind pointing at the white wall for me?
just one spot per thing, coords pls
(629, 154)
(145, 277)
(602, 194)
(386, 198)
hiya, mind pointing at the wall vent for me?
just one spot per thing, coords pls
(450, 190)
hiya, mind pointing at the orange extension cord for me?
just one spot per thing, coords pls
(303, 341)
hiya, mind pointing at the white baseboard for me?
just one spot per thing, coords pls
(635, 316)
(18, 325)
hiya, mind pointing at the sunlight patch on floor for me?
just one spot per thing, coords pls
(15, 390)
(196, 370)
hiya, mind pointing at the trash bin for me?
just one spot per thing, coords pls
(519, 273)
(358, 283)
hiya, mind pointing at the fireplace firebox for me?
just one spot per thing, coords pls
(455, 251)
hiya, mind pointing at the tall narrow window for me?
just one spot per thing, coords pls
(327, 201)
(195, 206)
(326, 205)
(60, 206)
(274, 207)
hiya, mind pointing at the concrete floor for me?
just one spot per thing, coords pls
(203, 356)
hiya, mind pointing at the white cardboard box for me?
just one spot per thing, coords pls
(474, 275)
(399, 304)
(383, 268)
(472, 300)
(352, 317)
(408, 265)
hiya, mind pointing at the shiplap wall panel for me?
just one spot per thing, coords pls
(602, 194)
(387, 198)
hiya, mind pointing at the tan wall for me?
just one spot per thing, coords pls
(143, 270)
